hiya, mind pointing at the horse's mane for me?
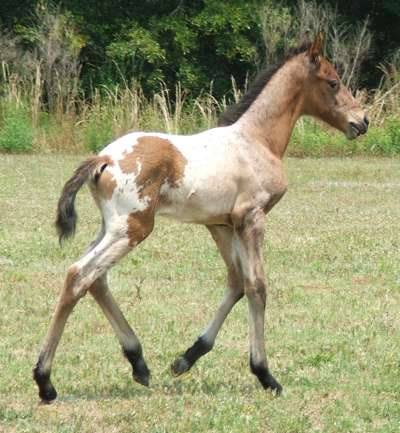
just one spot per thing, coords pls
(235, 111)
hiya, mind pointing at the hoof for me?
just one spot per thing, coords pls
(272, 384)
(140, 372)
(48, 396)
(180, 366)
(47, 392)
(143, 380)
(266, 379)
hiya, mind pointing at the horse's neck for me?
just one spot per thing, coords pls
(271, 117)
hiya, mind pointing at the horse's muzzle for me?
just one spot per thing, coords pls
(359, 128)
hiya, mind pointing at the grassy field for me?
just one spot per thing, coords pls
(333, 264)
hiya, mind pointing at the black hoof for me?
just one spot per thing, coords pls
(47, 392)
(142, 380)
(140, 372)
(266, 379)
(180, 366)
(271, 384)
(48, 395)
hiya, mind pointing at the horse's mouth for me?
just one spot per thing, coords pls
(356, 130)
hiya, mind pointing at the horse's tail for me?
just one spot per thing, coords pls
(66, 215)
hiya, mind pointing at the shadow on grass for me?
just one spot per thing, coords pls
(127, 391)
(167, 388)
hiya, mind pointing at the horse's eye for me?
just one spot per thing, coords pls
(334, 84)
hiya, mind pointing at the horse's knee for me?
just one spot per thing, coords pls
(256, 289)
(74, 288)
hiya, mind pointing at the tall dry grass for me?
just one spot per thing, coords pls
(109, 112)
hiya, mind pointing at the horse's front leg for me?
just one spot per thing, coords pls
(223, 237)
(248, 241)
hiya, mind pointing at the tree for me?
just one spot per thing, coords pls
(194, 41)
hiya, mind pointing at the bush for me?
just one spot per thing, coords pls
(313, 139)
(16, 131)
(385, 139)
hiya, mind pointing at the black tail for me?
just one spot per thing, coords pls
(66, 215)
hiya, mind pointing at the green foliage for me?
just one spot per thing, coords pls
(313, 139)
(278, 26)
(98, 130)
(51, 23)
(188, 41)
(189, 46)
(136, 42)
(218, 19)
(16, 131)
(310, 138)
(385, 139)
(393, 129)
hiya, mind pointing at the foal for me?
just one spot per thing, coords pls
(227, 178)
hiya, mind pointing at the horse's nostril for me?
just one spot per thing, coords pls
(366, 120)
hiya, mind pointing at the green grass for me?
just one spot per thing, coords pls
(332, 260)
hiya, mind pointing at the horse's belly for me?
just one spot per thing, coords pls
(197, 206)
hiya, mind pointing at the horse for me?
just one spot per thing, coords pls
(227, 178)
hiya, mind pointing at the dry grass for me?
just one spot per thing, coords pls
(332, 259)
(112, 111)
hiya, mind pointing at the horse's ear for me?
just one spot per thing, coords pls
(316, 49)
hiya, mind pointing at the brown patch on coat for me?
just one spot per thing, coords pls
(106, 185)
(140, 225)
(105, 182)
(160, 162)
(159, 159)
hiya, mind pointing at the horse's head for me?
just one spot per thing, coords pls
(327, 98)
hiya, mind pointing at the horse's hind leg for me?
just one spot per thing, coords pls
(80, 277)
(223, 237)
(131, 346)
